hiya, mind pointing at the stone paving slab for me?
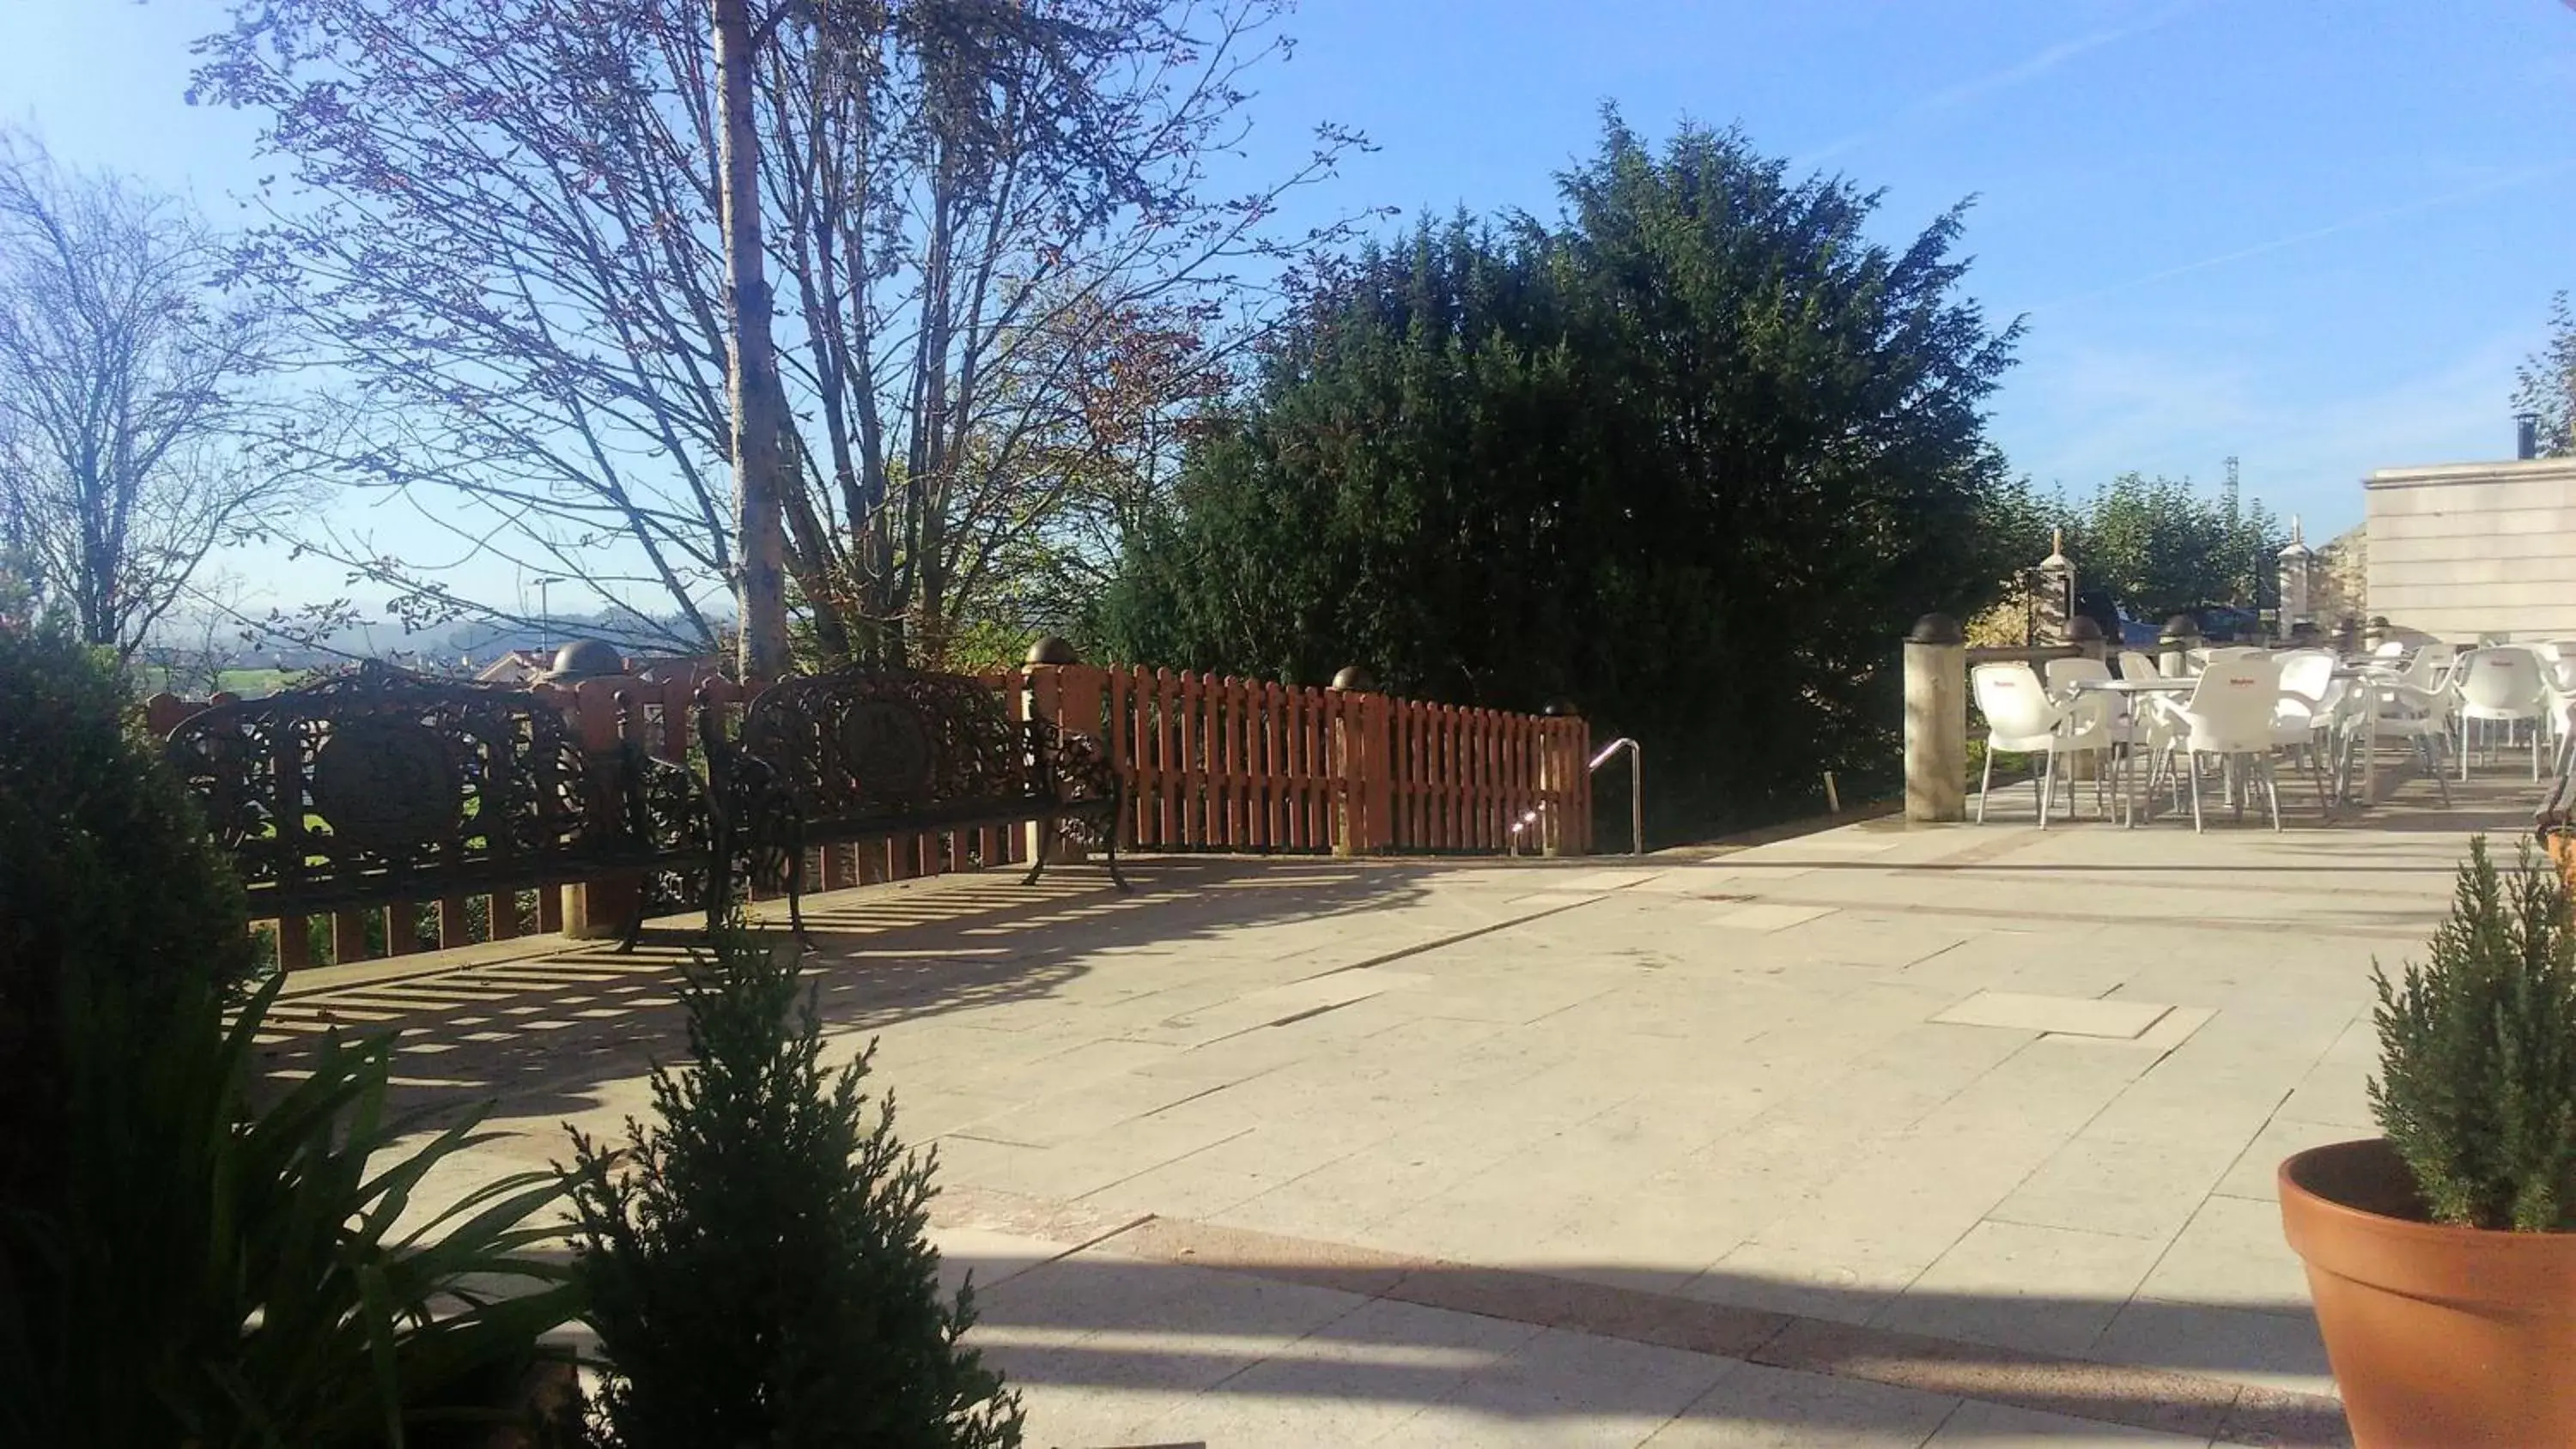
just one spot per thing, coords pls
(1750, 1097)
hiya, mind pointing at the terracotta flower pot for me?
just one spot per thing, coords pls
(2440, 1337)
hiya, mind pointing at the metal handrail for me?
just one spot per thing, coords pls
(1636, 787)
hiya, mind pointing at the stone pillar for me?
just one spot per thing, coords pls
(2297, 571)
(2056, 602)
(1936, 720)
(2180, 637)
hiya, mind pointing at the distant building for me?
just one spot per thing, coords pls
(2461, 550)
(517, 666)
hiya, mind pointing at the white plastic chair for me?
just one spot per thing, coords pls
(2558, 697)
(2021, 719)
(2401, 710)
(2303, 718)
(2229, 715)
(2503, 684)
(2136, 665)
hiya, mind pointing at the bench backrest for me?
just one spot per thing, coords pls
(857, 744)
(382, 784)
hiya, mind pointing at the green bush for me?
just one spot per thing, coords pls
(755, 1262)
(101, 848)
(178, 1264)
(2477, 1080)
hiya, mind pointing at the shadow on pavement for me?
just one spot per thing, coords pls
(1226, 1338)
(543, 1031)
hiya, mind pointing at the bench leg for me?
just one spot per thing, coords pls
(1111, 857)
(634, 923)
(1043, 835)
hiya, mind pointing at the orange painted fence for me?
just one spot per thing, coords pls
(1210, 764)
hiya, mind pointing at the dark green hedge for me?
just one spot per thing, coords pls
(103, 858)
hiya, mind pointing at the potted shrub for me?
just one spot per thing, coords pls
(2442, 1255)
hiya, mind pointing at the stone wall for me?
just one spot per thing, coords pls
(2466, 549)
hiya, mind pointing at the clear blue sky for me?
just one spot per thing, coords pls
(2313, 235)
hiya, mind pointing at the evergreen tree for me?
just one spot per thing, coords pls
(1693, 457)
(756, 1266)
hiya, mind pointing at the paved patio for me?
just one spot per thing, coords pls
(1881, 1135)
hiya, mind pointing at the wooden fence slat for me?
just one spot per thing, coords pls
(1230, 737)
(1121, 757)
(1166, 736)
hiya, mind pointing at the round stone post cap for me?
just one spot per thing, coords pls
(1937, 628)
(584, 659)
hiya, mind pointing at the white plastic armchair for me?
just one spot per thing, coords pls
(2021, 719)
(2400, 709)
(2501, 684)
(2305, 718)
(2558, 696)
(2230, 716)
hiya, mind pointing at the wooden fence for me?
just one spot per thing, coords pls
(1210, 764)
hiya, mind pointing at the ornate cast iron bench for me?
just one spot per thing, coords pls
(382, 786)
(865, 754)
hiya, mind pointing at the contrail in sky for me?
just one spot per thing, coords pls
(2019, 73)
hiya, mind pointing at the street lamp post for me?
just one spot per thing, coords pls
(546, 611)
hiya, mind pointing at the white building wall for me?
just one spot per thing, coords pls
(2475, 548)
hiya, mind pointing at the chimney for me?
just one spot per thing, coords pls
(2526, 435)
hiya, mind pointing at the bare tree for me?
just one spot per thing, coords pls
(507, 222)
(130, 421)
(759, 407)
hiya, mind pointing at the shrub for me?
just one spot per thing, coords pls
(2477, 1082)
(757, 1269)
(99, 848)
(227, 1276)
(177, 1264)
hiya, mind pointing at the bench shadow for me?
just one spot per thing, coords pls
(544, 1030)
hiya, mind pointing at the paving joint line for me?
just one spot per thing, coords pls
(1439, 943)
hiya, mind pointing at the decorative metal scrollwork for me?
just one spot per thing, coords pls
(857, 753)
(858, 745)
(383, 785)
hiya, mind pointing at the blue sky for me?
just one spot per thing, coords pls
(2316, 236)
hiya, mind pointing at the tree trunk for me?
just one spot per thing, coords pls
(758, 411)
